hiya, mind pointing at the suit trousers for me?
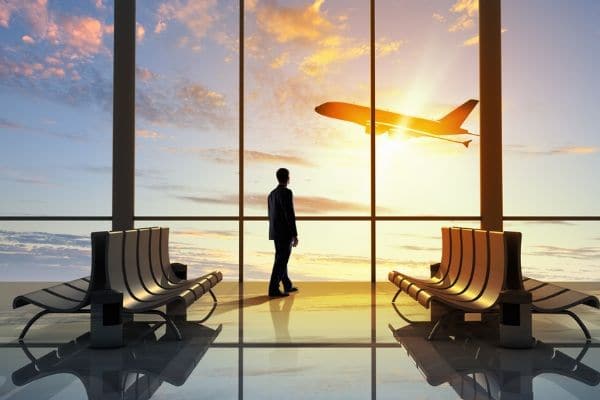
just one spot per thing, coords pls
(283, 249)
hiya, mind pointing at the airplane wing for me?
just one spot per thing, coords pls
(417, 132)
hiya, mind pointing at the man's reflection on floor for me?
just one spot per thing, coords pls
(280, 315)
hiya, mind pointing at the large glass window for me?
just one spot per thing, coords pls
(56, 107)
(426, 66)
(187, 107)
(550, 99)
(299, 55)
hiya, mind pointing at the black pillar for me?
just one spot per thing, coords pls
(124, 116)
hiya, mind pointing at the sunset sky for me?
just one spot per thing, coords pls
(56, 129)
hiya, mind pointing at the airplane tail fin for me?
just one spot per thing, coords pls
(456, 117)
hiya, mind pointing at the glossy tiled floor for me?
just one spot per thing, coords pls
(328, 341)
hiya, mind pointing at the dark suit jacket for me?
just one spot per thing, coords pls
(282, 218)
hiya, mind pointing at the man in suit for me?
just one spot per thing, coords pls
(282, 230)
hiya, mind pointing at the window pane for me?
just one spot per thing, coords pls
(300, 54)
(426, 66)
(55, 107)
(550, 101)
(202, 246)
(328, 251)
(411, 247)
(559, 250)
(187, 107)
(47, 251)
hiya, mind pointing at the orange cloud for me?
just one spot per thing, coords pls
(467, 10)
(280, 60)
(337, 49)
(470, 7)
(27, 39)
(147, 134)
(144, 74)
(35, 12)
(438, 17)
(287, 24)
(83, 35)
(140, 32)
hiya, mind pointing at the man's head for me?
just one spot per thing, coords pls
(283, 176)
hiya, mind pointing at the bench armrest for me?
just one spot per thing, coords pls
(180, 270)
(434, 269)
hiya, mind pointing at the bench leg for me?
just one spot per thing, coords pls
(31, 322)
(168, 320)
(585, 330)
(212, 294)
(212, 310)
(396, 295)
(402, 315)
(177, 311)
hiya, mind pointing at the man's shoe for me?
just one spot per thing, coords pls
(291, 290)
(278, 294)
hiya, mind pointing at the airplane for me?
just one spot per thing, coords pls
(386, 121)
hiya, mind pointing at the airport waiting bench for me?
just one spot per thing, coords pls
(480, 272)
(131, 273)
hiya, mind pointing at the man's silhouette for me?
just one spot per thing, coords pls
(282, 230)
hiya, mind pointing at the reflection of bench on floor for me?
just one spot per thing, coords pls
(132, 372)
(476, 369)
(480, 272)
(130, 273)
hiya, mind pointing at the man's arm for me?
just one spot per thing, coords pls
(290, 215)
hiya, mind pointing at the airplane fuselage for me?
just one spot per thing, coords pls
(362, 116)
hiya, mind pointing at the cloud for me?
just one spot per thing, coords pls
(210, 233)
(35, 13)
(140, 32)
(462, 23)
(467, 10)
(438, 17)
(43, 256)
(99, 4)
(578, 253)
(303, 204)
(144, 74)
(184, 104)
(230, 156)
(23, 177)
(565, 150)
(337, 49)
(148, 134)
(472, 41)
(285, 24)
(7, 124)
(280, 60)
(27, 39)
(197, 16)
(83, 35)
